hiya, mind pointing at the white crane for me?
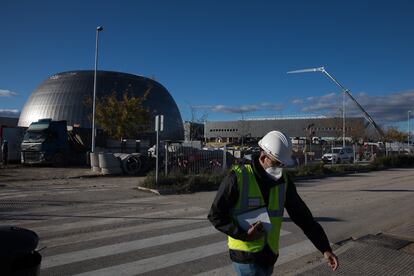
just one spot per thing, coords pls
(346, 91)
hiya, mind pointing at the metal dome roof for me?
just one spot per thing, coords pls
(62, 97)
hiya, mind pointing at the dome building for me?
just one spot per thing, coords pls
(63, 97)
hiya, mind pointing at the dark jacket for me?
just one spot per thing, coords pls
(5, 148)
(226, 199)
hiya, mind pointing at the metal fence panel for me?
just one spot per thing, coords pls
(195, 161)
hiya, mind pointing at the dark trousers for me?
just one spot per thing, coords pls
(5, 159)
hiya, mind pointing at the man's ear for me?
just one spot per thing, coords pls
(262, 157)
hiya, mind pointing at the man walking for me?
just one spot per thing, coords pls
(5, 152)
(264, 183)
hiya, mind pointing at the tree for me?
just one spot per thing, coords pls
(196, 124)
(122, 118)
(393, 134)
(357, 130)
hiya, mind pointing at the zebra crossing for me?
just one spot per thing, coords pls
(154, 235)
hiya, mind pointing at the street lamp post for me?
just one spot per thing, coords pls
(343, 118)
(98, 29)
(408, 132)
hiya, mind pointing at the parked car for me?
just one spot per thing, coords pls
(339, 155)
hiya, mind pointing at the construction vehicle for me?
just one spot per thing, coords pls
(54, 143)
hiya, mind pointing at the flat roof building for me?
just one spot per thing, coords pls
(254, 129)
(8, 121)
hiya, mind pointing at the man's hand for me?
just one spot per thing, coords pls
(256, 231)
(331, 259)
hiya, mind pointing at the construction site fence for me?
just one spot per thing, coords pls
(190, 160)
(196, 161)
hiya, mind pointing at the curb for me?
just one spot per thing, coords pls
(55, 178)
(169, 192)
(154, 191)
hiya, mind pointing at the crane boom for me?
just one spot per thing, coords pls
(346, 91)
(366, 115)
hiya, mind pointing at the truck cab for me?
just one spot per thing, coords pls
(45, 142)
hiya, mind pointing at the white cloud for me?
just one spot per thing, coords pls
(7, 93)
(297, 101)
(388, 108)
(9, 113)
(328, 103)
(243, 108)
(272, 106)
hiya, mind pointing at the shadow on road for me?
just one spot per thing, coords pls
(353, 191)
(389, 190)
(317, 180)
(321, 219)
(47, 216)
(43, 202)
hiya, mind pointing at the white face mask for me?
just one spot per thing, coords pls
(274, 172)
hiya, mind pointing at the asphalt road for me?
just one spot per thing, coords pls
(105, 226)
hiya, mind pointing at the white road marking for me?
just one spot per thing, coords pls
(170, 259)
(89, 222)
(77, 256)
(286, 254)
(163, 261)
(120, 231)
(295, 251)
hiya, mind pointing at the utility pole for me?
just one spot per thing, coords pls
(159, 126)
(408, 122)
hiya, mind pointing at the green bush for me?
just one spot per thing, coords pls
(348, 168)
(184, 183)
(321, 170)
(310, 170)
(393, 161)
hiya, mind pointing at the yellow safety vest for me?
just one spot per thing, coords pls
(250, 197)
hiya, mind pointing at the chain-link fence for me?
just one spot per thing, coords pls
(192, 160)
(366, 152)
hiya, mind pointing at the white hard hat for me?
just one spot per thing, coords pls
(279, 146)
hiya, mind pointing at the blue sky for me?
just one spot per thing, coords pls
(222, 59)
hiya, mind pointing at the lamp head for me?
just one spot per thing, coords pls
(99, 28)
(318, 69)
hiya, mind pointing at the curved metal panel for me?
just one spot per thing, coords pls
(62, 97)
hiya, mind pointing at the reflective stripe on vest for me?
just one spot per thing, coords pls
(250, 197)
